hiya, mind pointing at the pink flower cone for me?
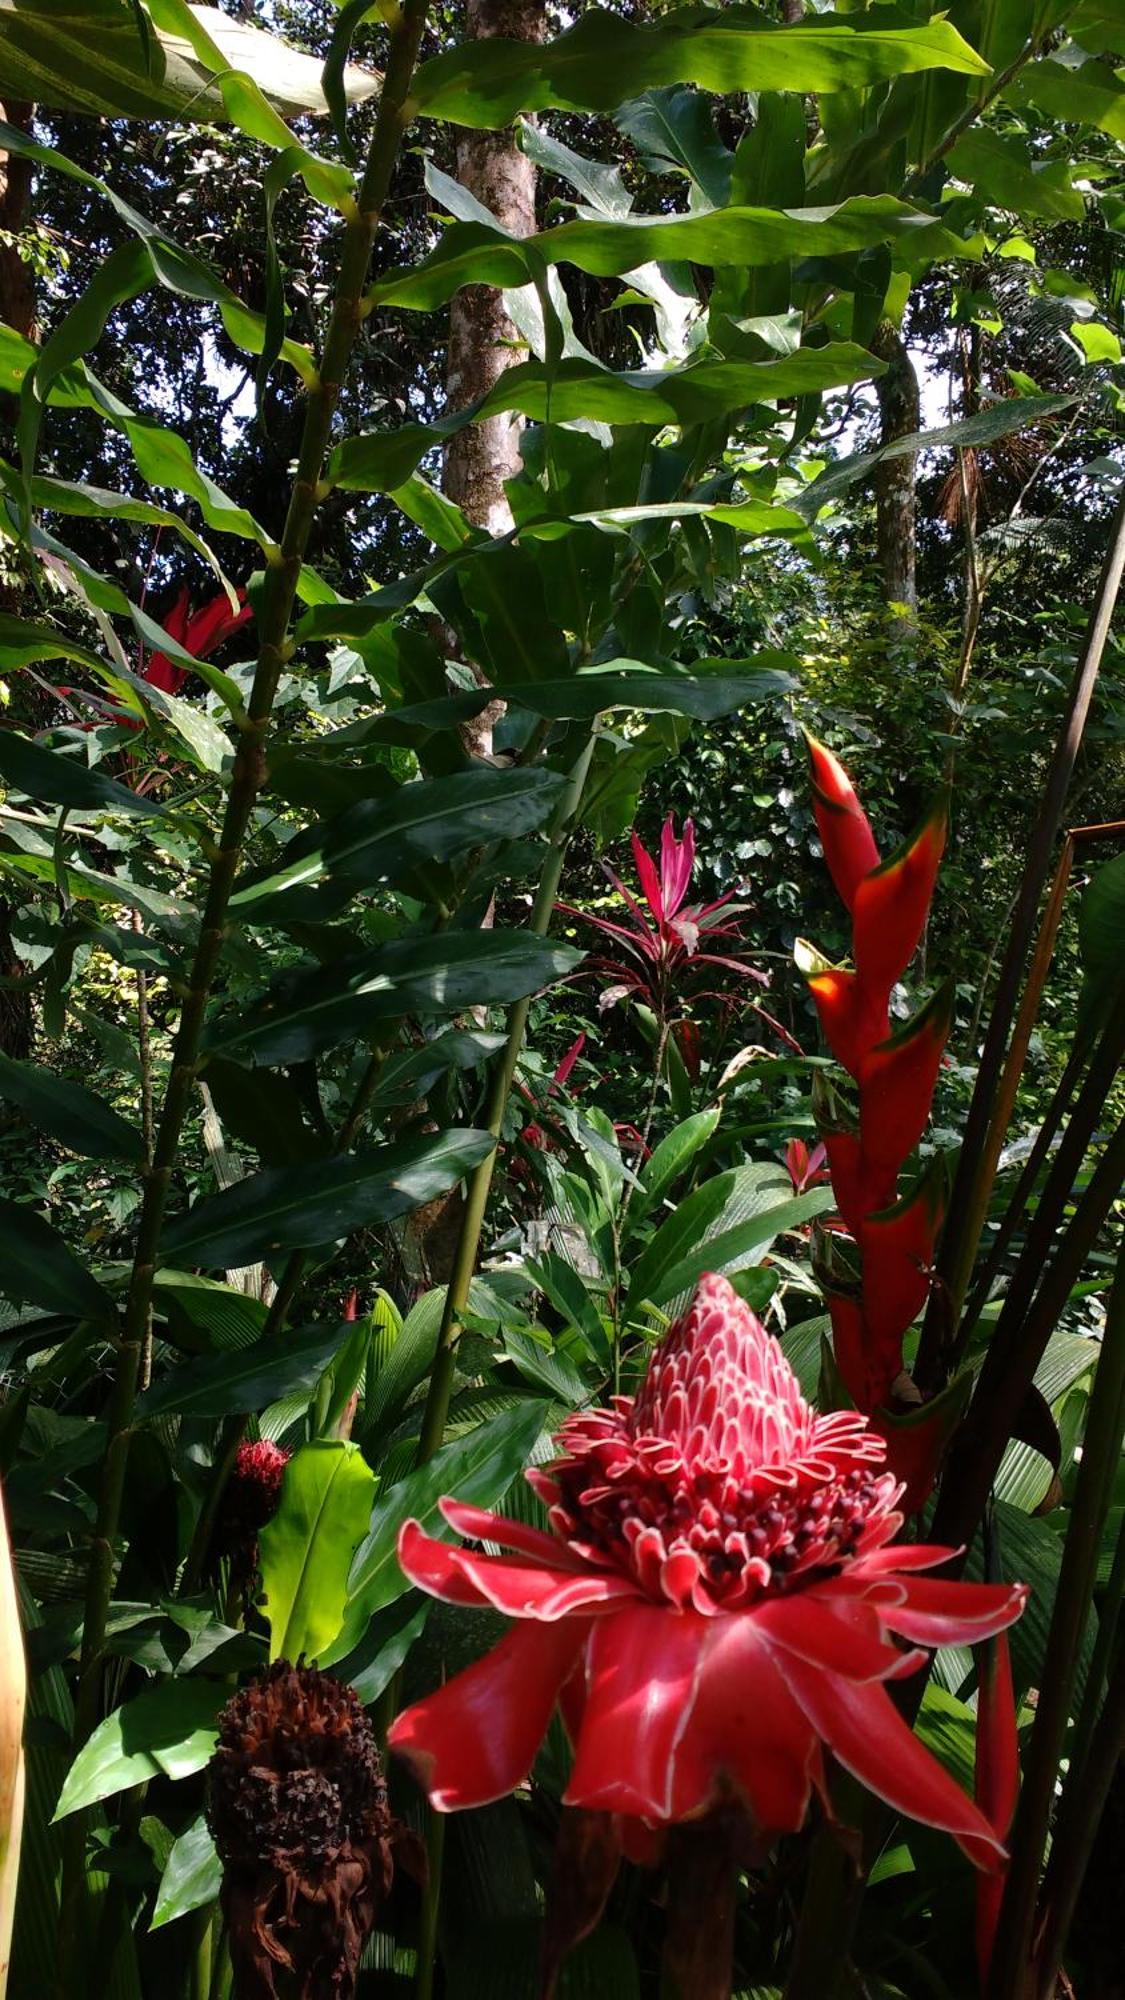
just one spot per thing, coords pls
(717, 1604)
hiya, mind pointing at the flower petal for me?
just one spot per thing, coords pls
(938, 1613)
(841, 1634)
(746, 1732)
(863, 1728)
(642, 1668)
(518, 1588)
(905, 1556)
(475, 1739)
(478, 1525)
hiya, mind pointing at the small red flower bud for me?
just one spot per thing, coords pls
(250, 1499)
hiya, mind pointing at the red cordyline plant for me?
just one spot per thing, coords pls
(876, 1289)
(200, 632)
(667, 942)
(717, 1603)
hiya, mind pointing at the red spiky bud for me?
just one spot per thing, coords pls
(845, 831)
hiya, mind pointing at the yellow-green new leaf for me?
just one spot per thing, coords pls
(306, 1551)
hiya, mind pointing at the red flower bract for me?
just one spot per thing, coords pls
(716, 1604)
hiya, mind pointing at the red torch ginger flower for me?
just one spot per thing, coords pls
(717, 1603)
(250, 1499)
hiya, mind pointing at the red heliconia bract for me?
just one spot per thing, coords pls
(716, 1604)
(895, 1074)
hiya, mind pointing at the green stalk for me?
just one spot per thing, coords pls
(480, 1181)
(278, 597)
(984, 1133)
(1011, 1972)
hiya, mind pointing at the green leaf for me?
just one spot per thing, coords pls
(1015, 413)
(1091, 95)
(169, 1731)
(38, 1268)
(472, 253)
(584, 391)
(477, 1469)
(601, 62)
(52, 779)
(561, 1283)
(206, 1315)
(742, 1243)
(77, 1117)
(106, 60)
(193, 1875)
(169, 263)
(597, 181)
(1003, 175)
(673, 129)
(306, 1550)
(441, 974)
(247, 1379)
(380, 840)
(673, 1154)
(1101, 945)
(678, 1234)
(303, 1208)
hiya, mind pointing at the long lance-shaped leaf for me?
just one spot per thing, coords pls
(728, 685)
(172, 265)
(378, 839)
(96, 503)
(470, 253)
(380, 461)
(603, 61)
(106, 60)
(54, 779)
(443, 974)
(1015, 413)
(301, 1208)
(162, 457)
(75, 1116)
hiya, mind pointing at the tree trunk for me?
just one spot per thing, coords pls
(17, 281)
(483, 341)
(900, 416)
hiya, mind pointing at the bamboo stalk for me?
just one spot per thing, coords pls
(248, 773)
